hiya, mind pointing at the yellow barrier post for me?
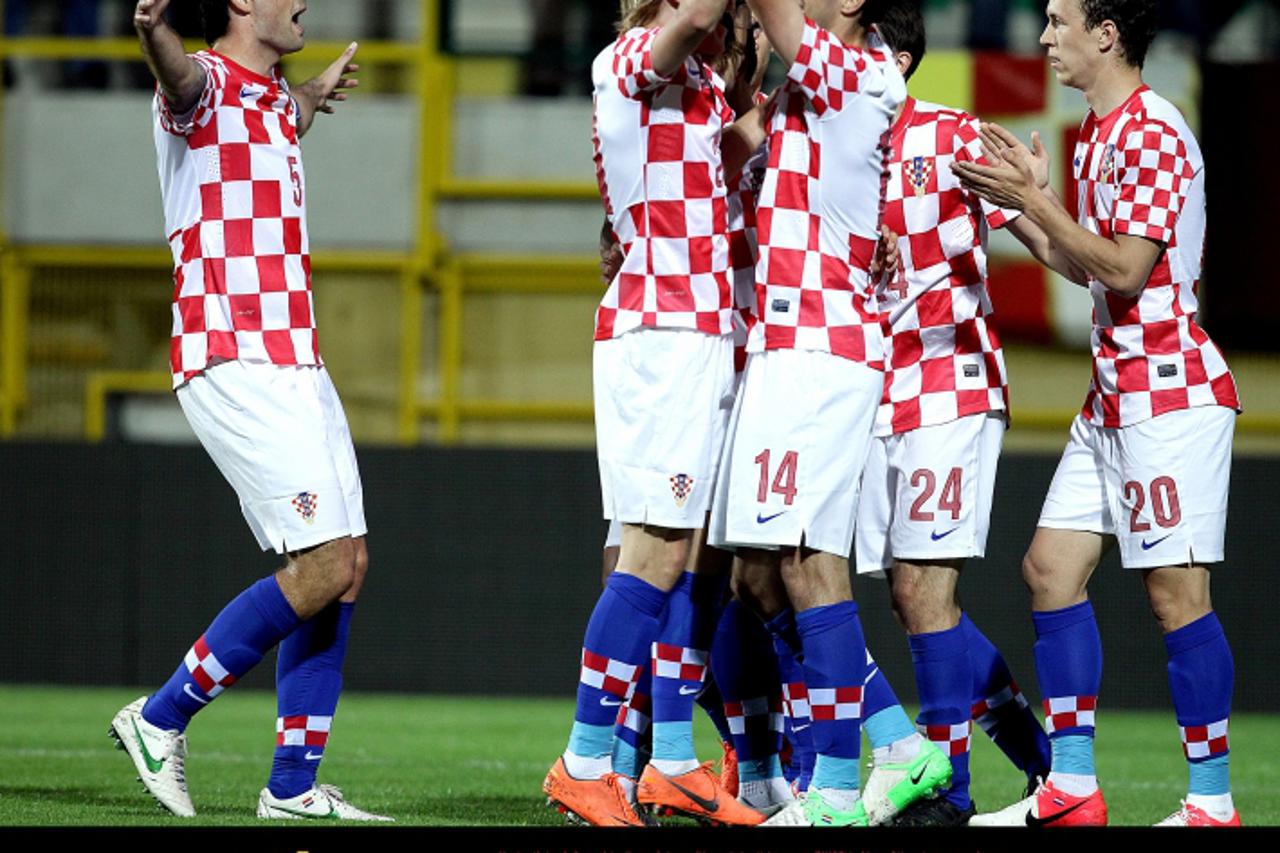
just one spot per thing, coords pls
(14, 289)
(410, 351)
(449, 281)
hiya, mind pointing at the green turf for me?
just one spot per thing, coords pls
(476, 761)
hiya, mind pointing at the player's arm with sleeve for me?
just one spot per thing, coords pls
(181, 78)
(648, 62)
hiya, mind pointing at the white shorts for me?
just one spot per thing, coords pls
(926, 494)
(280, 437)
(1160, 486)
(662, 403)
(797, 442)
(613, 538)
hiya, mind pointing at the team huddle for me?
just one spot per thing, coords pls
(835, 230)
(794, 364)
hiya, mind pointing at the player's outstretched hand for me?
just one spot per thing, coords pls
(316, 95)
(149, 14)
(887, 257)
(999, 144)
(1005, 180)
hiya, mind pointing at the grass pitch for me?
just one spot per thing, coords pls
(436, 761)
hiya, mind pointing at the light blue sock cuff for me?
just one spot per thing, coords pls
(888, 726)
(1073, 754)
(673, 741)
(840, 773)
(628, 760)
(1210, 777)
(590, 741)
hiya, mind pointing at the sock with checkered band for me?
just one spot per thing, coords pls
(744, 665)
(711, 700)
(1201, 678)
(1068, 654)
(619, 635)
(944, 682)
(798, 725)
(234, 643)
(308, 684)
(834, 668)
(679, 660)
(1001, 710)
(633, 734)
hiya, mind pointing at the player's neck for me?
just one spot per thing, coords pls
(248, 52)
(1112, 87)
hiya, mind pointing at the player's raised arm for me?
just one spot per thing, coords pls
(314, 95)
(676, 42)
(180, 77)
(783, 24)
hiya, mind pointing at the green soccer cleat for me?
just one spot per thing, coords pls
(811, 809)
(892, 787)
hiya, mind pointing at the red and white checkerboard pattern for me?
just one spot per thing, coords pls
(303, 730)
(795, 700)
(835, 703)
(1069, 712)
(943, 359)
(819, 206)
(636, 713)
(1200, 742)
(1140, 173)
(614, 677)
(206, 670)
(232, 180)
(737, 713)
(657, 154)
(680, 663)
(743, 249)
(951, 739)
(985, 712)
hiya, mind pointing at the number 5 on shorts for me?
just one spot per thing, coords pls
(784, 481)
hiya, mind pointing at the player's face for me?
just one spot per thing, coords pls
(1071, 47)
(276, 23)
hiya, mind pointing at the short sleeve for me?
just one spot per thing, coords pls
(202, 111)
(633, 63)
(1155, 175)
(828, 71)
(967, 148)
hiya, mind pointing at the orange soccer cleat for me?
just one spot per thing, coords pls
(729, 770)
(598, 802)
(697, 794)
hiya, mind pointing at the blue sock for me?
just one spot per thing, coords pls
(680, 657)
(308, 683)
(834, 667)
(255, 621)
(744, 665)
(711, 700)
(798, 769)
(619, 635)
(883, 718)
(944, 679)
(1201, 678)
(632, 742)
(1001, 710)
(1068, 655)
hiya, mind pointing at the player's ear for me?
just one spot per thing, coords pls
(241, 7)
(903, 60)
(1107, 36)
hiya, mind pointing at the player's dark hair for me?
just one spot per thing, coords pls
(215, 18)
(902, 26)
(1135, 20)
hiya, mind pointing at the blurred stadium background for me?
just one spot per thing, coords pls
(454, 216)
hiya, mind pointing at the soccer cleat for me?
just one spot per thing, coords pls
(1049, 807)
(891, 787)
(323, 802)
(811, 809)
(729, 770)
(158, 755)
(934, 811)
(1189, 815)
(696, 794)
(596, 802)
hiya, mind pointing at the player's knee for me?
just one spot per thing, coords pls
(1036, 574)
(1175, 605)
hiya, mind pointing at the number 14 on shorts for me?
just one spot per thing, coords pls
(783, 481)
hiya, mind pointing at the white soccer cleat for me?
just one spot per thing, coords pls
(323, 802)
(792, 814)
(158, 755)
(1012, 815)
(892, 786)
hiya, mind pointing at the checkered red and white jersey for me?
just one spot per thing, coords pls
(943, 357)
(819, 207)
(657, 155)
(743, 249)
(232, 180)
(1140, 173)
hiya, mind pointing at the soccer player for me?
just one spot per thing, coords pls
(665, 141)
(1149, 457)
(249, 377)
(926, 492)
(802, 422)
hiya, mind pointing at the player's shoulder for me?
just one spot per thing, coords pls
(633, 41)
(1151, 120)
(946, 127)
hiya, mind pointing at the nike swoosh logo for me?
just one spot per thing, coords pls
(709, 805)
(935, 535)
(311, 756)
(801, 728)
(152, 764)
(332, 815)
(686, 690)
(765, 519)
(1032, 820)
(919, 774)
(610, 703)
(1147, 546)
(186, 688)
